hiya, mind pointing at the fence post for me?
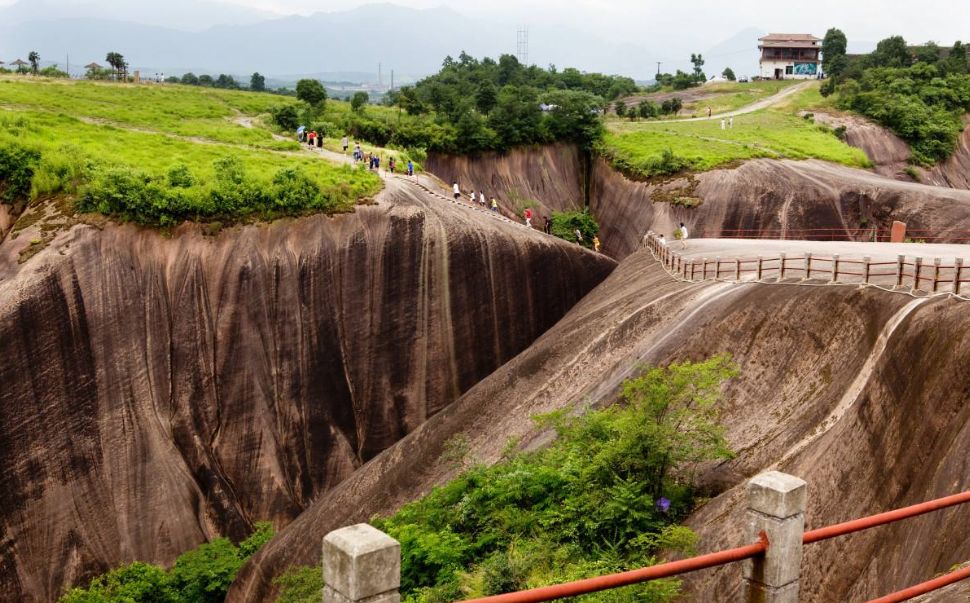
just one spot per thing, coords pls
(691, 270)
(776, 509)
(704, 271)
(957, 269)
(835, 268)
(781, 269)
(916, 273)
(808, 265)
(760, 267)
(361, 563)
(936, 274)
(717, 268)
(899, 269)
(865, 269)
(737, 269)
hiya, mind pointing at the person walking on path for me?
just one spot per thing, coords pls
(682, 235)
(528, 217)
(723, 125)
(456, 191)
(410, 168)
(731, 122)
(662, 241)
(312, 138)
(708, 112)
(548, 225)
(391, 164)
(494, 205)
(473, 197)
(579, 236)
(596, 244)
(481, 199)
(345, 142)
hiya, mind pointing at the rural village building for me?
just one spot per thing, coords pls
(789, 56)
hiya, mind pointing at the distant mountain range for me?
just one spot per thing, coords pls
(335, 46)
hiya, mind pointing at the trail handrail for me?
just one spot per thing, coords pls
(673, 568)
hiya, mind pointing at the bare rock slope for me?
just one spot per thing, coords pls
(861, 392)
(160, 391)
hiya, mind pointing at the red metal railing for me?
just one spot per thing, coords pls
(674, 568)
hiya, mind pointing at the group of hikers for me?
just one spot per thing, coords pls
(311, 138)
(680, 233)
(373, 160)
(528, 214)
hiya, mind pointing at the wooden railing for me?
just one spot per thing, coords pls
(911, 274)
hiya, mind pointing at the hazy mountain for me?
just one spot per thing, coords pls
(412, 42)
(739, 52)
(189, 15)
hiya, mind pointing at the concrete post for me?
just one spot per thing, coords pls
(900, 259)
(865, 269)
(835, 268)
(760, 267)
(717, 268)
(916, 273)
(776, 507)
(808, 265)
(897, 233)
(936, 274)
(781, 266)
(361, 563)
(737, 269)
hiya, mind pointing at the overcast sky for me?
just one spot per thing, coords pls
(706, 20)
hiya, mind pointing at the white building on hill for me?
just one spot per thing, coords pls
(790, 56)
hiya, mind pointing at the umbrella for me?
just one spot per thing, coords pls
(92, 66)
(301, 130)
(20, 63)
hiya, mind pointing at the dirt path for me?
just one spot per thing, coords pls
(764, 103)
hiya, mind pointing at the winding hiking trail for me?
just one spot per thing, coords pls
(764, 103)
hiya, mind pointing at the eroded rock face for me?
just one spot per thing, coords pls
(550, 178)
(858, 391)
(160, 391)
(773, 199)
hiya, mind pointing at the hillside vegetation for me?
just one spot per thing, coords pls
(607, 495)
(160, 154)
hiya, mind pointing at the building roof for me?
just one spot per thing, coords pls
(92, 66)
(789, 41)
(20, 62)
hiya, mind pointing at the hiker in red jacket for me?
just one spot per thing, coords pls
(528, 217)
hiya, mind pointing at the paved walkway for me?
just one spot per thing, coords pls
(752, 248)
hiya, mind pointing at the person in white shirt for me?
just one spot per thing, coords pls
(662, 241)
(683, 235)
(457, 191)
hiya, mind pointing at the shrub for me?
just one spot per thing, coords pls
(286, 117)
(179, 176)
(565, 224)
(17, 165)
(300, 585)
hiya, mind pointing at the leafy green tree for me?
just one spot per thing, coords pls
(358, 101)
(683, 81)
(698, 61)
(517, 118)
(206, 81)
(928, 53)
(486, 98)
(728, 74)
(135, 583)
(257, 83)
(311, 92)
(834, 47)
(620, 108)
(300, 585)
(190, 79)
(34, 59)
(565, 225)
(172, 80)
(574, 116)
(118, 64)
(891, 52)
(647, 109)
(671, 106)
(956, 62)
(226, 81)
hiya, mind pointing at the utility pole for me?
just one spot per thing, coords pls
(380, 77)
(392, 80)
(68, 66)
(658, 67)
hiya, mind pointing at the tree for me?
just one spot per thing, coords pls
(358, 100)
(34, 60)
(574, 116)
(647, 109)
(620, 108)
(118, 63)
(190, 79)
(206, 80)
(928, 53)
(486, 98)
(956, 62)
(172, 80)
(833, 47)
(891, 52)
(286, 117)
(311, 92)
(728, 74)
(698, 61)
(257, 83)
(226, 81)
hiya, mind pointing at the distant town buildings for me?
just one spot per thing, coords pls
(790, 56)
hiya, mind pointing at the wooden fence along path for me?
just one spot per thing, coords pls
(910, 275)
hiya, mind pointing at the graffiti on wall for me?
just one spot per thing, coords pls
(806, 68)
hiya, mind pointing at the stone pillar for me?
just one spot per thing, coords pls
(897, 233)
(361, 563)
(776, 507)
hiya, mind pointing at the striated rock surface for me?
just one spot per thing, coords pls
(859, 391)
(160, 391)
(550, 177)
(774, 199)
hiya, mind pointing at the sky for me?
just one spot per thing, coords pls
(708, 21)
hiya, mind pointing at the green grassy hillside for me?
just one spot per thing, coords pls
(651, 148)
(161, 154)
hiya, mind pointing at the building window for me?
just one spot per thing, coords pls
(789, 69)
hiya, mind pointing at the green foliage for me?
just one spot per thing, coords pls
(834, 47)
(565, 224)
(923, 103)
(890, 52)
(358, 101)
(301, 584)
(728, 74)
(620, 108)
(311, 92)
(286, 117)
(202, 575)
(17, 165)
(257, 82)
(605, 496)
(34, 59)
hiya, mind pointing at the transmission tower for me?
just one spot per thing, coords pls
(522, 48)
